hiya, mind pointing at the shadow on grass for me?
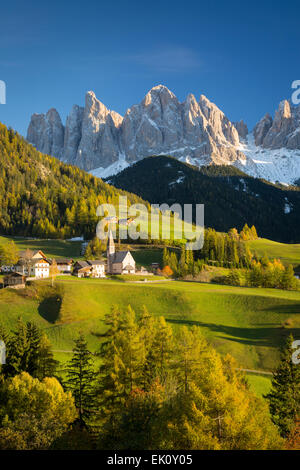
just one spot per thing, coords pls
(285, 309)
(255, 336)
(49, 307)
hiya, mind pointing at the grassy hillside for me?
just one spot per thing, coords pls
(231, 197)
(51, 248)
(260, 384)
(247, 323)
(72, 249)
(287, 253)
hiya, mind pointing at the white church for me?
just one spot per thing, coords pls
(118, 262)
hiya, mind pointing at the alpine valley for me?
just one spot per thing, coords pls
(195, 131)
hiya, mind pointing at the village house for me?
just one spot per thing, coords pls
(90, 268)
(98, 268)
(14, 281)
(24, 255)
(38, 268)
(64, 265)
(33, 264)
(82, 269)
(118, 262)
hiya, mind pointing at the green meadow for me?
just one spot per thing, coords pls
(287, 253)
(248, 323)
(143, 256)
(51, 248)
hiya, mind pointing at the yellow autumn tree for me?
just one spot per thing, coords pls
(34, 413)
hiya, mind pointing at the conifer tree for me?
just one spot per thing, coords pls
(165, 257)
(19, 351)
(284, 397)
(122, 358)
(189, 347)
(162, 346)
(33, 341)
(147, 333)
(80, 380)
(47, 365)
(288, 279)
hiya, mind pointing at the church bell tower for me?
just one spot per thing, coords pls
(110, 251)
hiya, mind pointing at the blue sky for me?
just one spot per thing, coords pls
(241, 55)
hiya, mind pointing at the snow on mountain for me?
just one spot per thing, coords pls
(275, 165)
(111, 170)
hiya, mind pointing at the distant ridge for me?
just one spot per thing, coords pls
(231, 197)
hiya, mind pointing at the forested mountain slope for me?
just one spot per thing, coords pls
(42, 197)
(231, 197)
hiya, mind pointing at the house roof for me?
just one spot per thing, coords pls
(14, 275)
(95, 262)
(85, 268)
(31, 254)
(81, 264)
(34, 261)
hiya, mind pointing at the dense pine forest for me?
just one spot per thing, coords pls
(42, 197)
(231, 197)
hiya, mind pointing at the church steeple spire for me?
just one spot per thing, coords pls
(110, 251)
(110, 244)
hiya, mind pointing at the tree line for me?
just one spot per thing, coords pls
(228, 250)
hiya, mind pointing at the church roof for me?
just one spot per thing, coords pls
(120, 256)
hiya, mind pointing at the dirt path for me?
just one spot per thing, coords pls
(261, 372)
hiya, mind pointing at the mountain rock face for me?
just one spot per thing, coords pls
(46, 132)
(262, 128)
(73, 133)
(242, 129)
(99, 142)
(195, 131)
(283, 131)
(97, 137)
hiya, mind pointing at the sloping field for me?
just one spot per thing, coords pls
(287, 253)
(51, 248)
(247, 323)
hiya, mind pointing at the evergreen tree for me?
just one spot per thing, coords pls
(18, 359)
(33, 348)
(284, 397)
(80, 380)
(47, 365)
(122, 359)
(288, 280)
(165, 257)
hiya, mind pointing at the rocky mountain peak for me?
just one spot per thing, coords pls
(262, 128)
(281, 132)
(242, 129)
(97, 137)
